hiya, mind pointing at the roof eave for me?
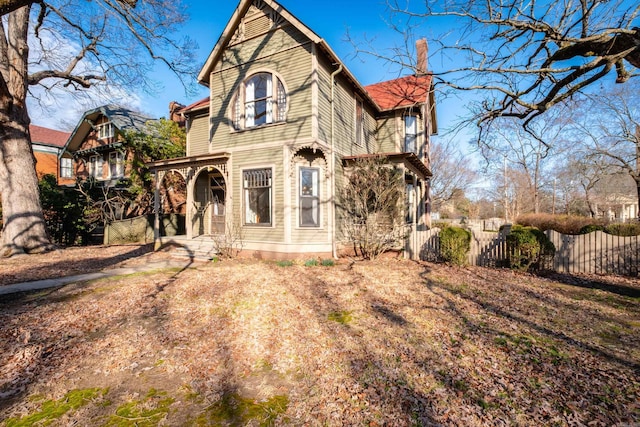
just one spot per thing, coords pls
(410, 160)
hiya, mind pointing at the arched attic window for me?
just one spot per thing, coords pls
(261, 99)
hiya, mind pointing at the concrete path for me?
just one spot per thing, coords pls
(61, 281)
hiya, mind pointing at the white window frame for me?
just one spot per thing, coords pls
(116, 158)
(275, 99)
(66, 170)
(309, 195)
(95, 166)
(411, 133)
(106, 130)
(251, 180)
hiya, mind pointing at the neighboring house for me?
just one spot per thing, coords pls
(96, 147)
(268, 150)
(47, 146)
(617, 207)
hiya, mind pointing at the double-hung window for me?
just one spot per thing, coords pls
(261, 99)
(95, 167)
(106, 130)
(410, 134)
(116, 164)
(309, 197)
(257, 187)
(66, 167)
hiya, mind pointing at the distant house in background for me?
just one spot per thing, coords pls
(48, 145)
(96, 147)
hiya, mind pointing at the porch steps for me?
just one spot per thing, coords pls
(199, 248)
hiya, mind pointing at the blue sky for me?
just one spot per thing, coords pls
(331, 20)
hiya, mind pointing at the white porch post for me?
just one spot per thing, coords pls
(156, 210)
(190, 198)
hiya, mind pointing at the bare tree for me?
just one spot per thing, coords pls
(453, 172)
(371, 202)
(528, 150)
(78, 44)
(526, 55)
(608, 130)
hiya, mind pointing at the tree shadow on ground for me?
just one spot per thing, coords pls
(590, 283)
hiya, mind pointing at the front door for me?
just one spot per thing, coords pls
(218, 198)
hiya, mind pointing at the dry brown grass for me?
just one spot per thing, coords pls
(386, 343)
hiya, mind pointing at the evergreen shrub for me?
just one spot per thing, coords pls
(455, 243)
(529, 249)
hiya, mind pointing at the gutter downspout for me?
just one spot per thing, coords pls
(334, 249)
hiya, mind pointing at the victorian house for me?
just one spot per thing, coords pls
(268, 149)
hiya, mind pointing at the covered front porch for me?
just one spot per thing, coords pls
(208, 196)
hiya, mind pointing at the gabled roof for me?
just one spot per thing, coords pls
(122, 118)
(234, 22)
(50, 137)
(198, 105)
(399, 93)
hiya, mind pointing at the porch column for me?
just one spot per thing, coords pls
(189, 212)
(156, 210)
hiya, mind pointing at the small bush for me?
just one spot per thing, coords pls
(285, 263)
(311, 263)
(591, 228)
(328, 262)
(455, 243)
(623, 229)
(529, 249)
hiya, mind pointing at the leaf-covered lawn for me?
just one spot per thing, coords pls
(384, 343)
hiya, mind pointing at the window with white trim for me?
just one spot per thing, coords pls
(257, 185)
(309, 197)
(106, 130)
(116, 164)
(66, 167)
(359, 122)
(410, 134)
(260, 100)
(95, 167)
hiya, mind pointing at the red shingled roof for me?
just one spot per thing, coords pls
(402, 92)
(196, 105)
(46, 136)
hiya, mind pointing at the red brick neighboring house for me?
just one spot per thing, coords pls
(48, 145)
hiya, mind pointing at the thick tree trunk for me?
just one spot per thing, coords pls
(24, 228)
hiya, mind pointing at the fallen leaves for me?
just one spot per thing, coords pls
(385, 343)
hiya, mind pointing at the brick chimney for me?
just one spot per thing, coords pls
(422, 51)
(174, 116)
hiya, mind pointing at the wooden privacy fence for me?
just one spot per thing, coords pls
(140, 229)
(596, 252)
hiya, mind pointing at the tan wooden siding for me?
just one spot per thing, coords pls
(293, 67)
(251, 159)
(198, 136)
(260, 48)
(345, 117)
(325, 69)
(387, 135)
